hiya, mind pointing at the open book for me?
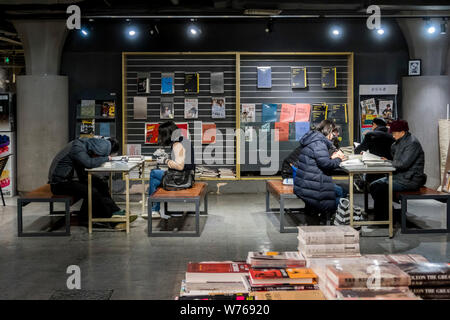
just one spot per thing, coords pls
(372, 160)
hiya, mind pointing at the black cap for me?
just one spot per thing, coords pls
(379, 122)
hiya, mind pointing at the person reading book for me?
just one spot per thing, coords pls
(378, 142)
(182, 159)
(78, 155)
(408, 159)
(313, 182)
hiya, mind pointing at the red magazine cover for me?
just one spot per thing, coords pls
(205, 267)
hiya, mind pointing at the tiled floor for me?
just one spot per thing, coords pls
(138, 267)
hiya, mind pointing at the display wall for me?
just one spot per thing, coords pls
(95, 62)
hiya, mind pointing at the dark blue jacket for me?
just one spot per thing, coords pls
(313, 182)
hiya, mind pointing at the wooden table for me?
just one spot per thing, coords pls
(113, 167)
(371, 170)
(191, 195)
(281, 192)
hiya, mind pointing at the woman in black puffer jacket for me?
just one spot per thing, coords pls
(313, 182)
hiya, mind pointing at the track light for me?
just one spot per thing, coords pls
(131, 30)
(269, 27)
(193, 30)
(154, 30)
(444, 26)
(429, 26)
(84, 32)
(336, 32)
(380, 31)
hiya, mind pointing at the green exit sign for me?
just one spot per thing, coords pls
(6, 59)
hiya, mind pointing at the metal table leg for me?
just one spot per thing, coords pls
(90, 202)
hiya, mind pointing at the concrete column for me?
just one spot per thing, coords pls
(425, 97)
(42, 101)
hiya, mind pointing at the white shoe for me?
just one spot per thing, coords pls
(155, 215)
(164, 216)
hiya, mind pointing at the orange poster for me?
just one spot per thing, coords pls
(151, 133)
(281, 131)
(302, 112)
(208, 133)
(287, 112)
(184, 126)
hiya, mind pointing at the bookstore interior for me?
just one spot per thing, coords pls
(224, 150)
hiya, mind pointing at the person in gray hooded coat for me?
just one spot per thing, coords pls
(78, 155)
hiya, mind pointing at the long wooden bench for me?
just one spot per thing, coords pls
(422, 193)
(44, 194)
(192, 195)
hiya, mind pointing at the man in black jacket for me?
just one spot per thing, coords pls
(78, 155)
(378, 141)
(408, 159)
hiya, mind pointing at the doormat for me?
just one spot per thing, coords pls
(81, 295)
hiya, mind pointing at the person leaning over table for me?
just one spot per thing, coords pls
(378, 142)
(78, 155)
(182, 153)
(408, 159)
(313, 182)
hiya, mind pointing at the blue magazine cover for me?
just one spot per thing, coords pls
(264, 77)
(269, 112)
(300, 129)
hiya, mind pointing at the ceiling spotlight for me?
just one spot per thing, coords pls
(193, 30)
(336, 32)
(84, 32)
(132, 33)
(431, 29)
(269, 27)
(380, 31)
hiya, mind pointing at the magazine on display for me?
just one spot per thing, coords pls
(167, 108)
(143, 82)
(264, 77)
(248, 112)
(298, 77)
(87, 109)
(329, 77)
(218, 108)
(191, 82)
(168, 83)
(190, 108)
(217, 82)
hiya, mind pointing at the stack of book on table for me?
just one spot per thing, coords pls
(328, 241)
(371, 160)
(214, 280)
(428, 280)
(281, 276)
(367, 280)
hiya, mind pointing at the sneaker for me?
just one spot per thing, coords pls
(155, 215)
(164, 216)
(122, 213)
(123, 225)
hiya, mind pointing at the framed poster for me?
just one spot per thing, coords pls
(414, 67)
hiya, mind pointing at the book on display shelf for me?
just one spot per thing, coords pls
(264, 77)
(143, 82)
(140, 108)
(218, 108)
(302, 112)
(167, 83)
(328, 250)
(217, 82)
(191, 82)
(329, 77)
(318, 113)
(190, 108)
(235, 297)
(248, 112)
(269, 112)
(87, 127)
(281, 131)
(87, 109)
(387, 293)
(298, 77)
(427, 293)
(167, 108)
(206, 288)
(252, 287)
(287, 113)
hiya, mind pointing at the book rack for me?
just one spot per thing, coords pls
(240, 86)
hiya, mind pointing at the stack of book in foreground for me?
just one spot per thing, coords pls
(428, 280)
(281, 276)
(214, 280)
(283, 272)
(367, 280)
(328, 241)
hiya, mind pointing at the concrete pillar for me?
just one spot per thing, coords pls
(425, 97)
(42, 101)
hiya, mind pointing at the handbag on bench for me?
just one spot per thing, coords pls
(174, 180)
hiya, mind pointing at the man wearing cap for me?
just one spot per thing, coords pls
(408, 159)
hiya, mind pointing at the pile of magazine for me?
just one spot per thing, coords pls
(204, 172)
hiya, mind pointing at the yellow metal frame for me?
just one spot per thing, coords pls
(350, 98)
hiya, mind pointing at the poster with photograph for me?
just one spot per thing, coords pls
(133, 149)
(248, 112)
(368, 107)
(386, 110)
(208, 132)
(218, 108)
(190, 108)
(167, 109)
